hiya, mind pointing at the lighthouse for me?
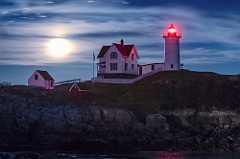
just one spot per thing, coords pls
(171, 49)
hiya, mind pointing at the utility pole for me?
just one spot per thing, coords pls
(93, 66)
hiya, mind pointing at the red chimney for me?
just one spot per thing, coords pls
(122, 42)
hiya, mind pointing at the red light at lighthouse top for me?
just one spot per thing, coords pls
(172, 32)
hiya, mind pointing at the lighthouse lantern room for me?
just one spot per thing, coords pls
(171, 49)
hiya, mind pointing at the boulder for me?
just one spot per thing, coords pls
(156, 125)
(155, 121)
(96, 113)
(108, 115)
(124, 117)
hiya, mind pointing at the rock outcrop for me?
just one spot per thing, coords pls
(33, 120)
(195, 130)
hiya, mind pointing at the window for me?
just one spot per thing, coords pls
(132, 66)
(113, 66)
(51, 83)
(140, 70)
(113, 55)
(36, 77)
(153, 67)
(171, 65)
(126, 66)
(132, 56)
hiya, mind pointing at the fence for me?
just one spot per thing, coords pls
(112, 80)
(67, 82)
(123, 81)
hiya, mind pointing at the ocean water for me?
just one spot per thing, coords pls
(188, 155)
(138, 155)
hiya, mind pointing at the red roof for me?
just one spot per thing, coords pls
(80, 87)
(125, 50)
(122, 49)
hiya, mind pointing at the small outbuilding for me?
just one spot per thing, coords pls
(80, 92)
(41, 79)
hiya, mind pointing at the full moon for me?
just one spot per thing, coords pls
(59, 48)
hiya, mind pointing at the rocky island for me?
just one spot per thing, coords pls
(172, 111)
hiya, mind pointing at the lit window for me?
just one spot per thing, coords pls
(36, 77)
(113, 66)
(113, 55)
(132, 66)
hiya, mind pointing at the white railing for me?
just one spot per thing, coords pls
(112, 80)
(147, 74)
(67, 82)
(124, 81)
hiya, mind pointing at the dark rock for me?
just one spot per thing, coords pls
(35, 122)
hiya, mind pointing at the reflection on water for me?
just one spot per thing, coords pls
(168, 155)
(162, 155)
(188, 155)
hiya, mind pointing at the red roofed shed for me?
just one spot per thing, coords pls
(80, 92)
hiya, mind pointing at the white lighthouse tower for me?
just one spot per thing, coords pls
(171, 49)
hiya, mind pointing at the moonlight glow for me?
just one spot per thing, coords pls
(59, 48)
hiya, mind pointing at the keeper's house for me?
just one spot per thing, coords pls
(118, 61)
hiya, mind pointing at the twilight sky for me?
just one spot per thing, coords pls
(210, 34)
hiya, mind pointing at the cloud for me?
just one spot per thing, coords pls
(210, 33)
(109, 34)
(92, 24)
(7, 35)
(210, 5)
(6, 3)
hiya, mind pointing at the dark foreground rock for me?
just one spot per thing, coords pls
(34, 123)
(204, 131)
